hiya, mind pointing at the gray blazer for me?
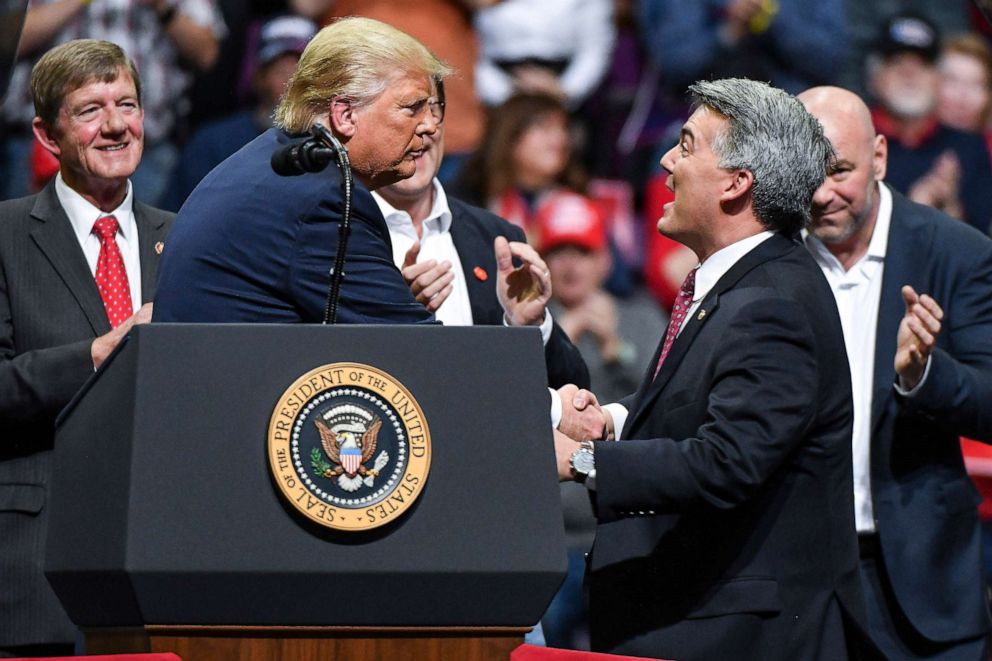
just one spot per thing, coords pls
(50, 312)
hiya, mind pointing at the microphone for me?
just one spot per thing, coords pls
(310, 155)
(313, 155)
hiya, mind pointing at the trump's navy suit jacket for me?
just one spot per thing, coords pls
(924, 502)
(473, 231)
(251, 246)
(725, 516)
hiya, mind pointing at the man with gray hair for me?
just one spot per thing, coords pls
(252, 246)
(722, 486)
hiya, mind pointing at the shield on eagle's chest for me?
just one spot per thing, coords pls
(351, 459)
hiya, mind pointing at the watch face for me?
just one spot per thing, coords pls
(583, 461)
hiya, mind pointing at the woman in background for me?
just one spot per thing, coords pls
(526, 163)
(964, 99)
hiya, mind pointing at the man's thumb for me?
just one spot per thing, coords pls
(411, 255)
(504, 258)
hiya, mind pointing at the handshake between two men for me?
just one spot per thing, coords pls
(583, 419)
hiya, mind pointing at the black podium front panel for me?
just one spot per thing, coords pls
(164, 509)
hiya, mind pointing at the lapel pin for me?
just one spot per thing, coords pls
(701, 315)
(480, 274)
(159, 247)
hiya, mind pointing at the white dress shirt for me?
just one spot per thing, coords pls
(82, 215)
(708, 273)
(858, 292)
(436, 244)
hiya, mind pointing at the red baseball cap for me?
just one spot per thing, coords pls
(565, 218)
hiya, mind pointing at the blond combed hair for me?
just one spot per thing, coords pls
(352, 58)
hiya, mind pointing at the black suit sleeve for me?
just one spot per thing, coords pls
(958, 388)
(35, 385)
(565, 364)
(759, 405)
(373, 289)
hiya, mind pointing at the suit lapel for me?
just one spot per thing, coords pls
(468, 245)
(55, 238)
(151, 231)
(651, 387)
(904, 255)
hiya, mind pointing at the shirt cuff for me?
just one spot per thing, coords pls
(619, 414)
(912, 393)
(555, 408)
(545, 326)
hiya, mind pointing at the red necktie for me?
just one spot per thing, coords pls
(679, 310)
(111, 276)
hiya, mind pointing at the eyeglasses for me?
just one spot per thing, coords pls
(437, 110)
(437, 105)
(434, 104)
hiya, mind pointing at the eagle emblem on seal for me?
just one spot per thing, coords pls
(348, 436)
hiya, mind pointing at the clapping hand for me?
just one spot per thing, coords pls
(523, 291)
(917, 336)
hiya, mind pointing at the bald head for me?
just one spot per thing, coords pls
(837, 107)
(845, 206)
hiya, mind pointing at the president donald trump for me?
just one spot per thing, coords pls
(251, 246)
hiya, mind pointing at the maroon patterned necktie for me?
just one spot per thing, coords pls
(111, 276)
(679, 311)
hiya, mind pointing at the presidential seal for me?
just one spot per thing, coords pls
(349, 447)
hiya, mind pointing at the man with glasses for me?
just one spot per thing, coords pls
(457, 260)
(252, 246)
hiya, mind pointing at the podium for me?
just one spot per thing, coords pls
(169, 530)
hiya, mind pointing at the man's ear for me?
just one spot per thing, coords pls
(738, 185)
(343, 118)
(880, 157)
(46, 136)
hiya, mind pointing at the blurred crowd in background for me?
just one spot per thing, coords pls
(556, 119)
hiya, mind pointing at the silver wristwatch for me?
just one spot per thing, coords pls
(583, 462)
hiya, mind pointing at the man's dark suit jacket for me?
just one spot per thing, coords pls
(50, 312)
(924, 503)
(251, 246)
(725, 516)
(473, 231)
